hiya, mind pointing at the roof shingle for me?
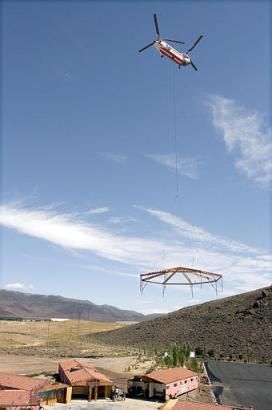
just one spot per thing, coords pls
(15, 381)
(76, 371)
(171, 375)
(18, 398)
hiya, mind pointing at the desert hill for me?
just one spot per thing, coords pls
(19, 304)
(236, 327)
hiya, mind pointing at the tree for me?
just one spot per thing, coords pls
(168, 361)
(199, 352)
(175, 356)
(181, 356)
(193, 365)
(211, 353)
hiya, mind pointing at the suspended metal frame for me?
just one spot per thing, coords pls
(186, 277)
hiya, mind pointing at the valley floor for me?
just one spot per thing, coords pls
(28, 365)
(118, 369)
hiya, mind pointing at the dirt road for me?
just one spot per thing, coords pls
(19, 364)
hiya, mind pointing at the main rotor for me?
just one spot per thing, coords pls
(159, 36)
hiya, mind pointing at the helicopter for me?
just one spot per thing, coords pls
(165, 49)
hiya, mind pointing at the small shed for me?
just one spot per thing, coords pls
(54, 392)
(165, 383)
(48, 391)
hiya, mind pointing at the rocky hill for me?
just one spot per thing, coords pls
(19, 304)
(237, 327)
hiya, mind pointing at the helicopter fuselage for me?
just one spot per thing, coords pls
(170, 52)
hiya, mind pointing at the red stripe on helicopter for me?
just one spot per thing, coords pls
(171, 56)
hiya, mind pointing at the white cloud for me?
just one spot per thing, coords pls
(185, 166)
(199, 235)
(246, 134)
(69, 232)
(101, 210)
(116, 220)
(18, 285)
(244, 267)
(113, 156)
(110, 271)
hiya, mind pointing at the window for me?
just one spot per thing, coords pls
(47, 394)
(185, 381)
(175, 384)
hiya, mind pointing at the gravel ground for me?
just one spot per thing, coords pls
(20, 364)
(128, 404)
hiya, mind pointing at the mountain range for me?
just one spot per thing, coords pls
(233, 328)
(27, 305)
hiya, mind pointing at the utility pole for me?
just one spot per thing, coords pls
(78, 324)
(47, 343)
(90, 336)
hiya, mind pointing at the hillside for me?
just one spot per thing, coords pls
(236, 327)
(19, 304)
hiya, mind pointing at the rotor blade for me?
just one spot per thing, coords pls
(192, 64)
(156, 24)
(174, 41)
(193, 46)
(148, 45)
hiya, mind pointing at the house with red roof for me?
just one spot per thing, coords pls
(85, 380)
(165, 383)
(46, 391)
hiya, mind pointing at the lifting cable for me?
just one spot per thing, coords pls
(175, 129)
(176, 155)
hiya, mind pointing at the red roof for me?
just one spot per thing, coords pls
(188, 405)
(67, 364)
(14, 381)
(18, 398)
(171, 375)
(76, 371)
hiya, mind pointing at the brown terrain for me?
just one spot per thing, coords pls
(49, 339)
(36, 348)
(234, 328)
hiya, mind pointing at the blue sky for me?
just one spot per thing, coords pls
(89, 192)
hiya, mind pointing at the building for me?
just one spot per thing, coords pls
(47, 391)
(165, 383)
(85, 381)
(18, 400)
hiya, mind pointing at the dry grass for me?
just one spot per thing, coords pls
(51, 337)
(36, 347)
